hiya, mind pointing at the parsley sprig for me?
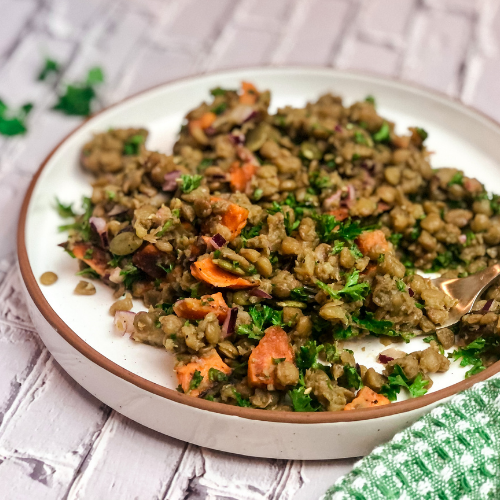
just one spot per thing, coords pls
(262, 316)
(351, 290)
(398, 379)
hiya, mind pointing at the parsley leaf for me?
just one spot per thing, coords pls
(384, 133)
(196, 380)
(398, 379)
(470, 355)
(64, 211)
(351, 377)
(50, 66)
(190, 182)
(77, 98)
(262, 316)
(301, 294)
(88, 272)
(457, 178)
(219, 91)
(371, 100)
(301, 401)
(249, 232)
(132, 145)
(240, 399)
(81, 224)
(13, 123)
(422, 133)
(307, 357)
(131, 274)
(215, 375)
(352, 289)
(395, 238)
(379, 327)
(220, 108)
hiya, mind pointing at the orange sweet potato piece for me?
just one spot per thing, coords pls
(98, 260)
(205, 270)
(261, 367)
(207, 119)
(372, 243)
(241, 175)
(340, 213)
(234, 218)
(199, 308)
(249, 93)
(366, 398)
(185, 373)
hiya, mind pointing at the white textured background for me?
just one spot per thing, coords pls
(57, 441)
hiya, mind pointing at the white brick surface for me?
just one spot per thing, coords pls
(57, 441)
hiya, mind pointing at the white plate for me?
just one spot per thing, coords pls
(132, 377)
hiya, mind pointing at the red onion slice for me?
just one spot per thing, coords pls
(210, 131)
(246, 155)
(411, 293)
(217, 241)
(462, 239)
(237, 138)
(349, 200)
(98, 224)
(124, 321)
(257, 292)
(229, 322)
(338, 128)
(487, 306)
(115, 276)
(333, 200)
(170, 183)
(117, 210)
(384, 359)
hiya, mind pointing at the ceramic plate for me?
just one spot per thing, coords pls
(138, 380)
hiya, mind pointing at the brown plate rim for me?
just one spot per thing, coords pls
(249, 413)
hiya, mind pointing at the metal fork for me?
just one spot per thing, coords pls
(466, 290)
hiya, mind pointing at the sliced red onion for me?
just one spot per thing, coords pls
(124, 321)
(333, 200)
(241, 114)
(170, 183)
(115, 276)
(382, 207)
(487, 306)
(237, 138)
(349, 200)
(246, 155)
(98, 224)
(411, 293)
(338, 128)
(210, 131)
(229, 322)
(384, 359)
(257, 292)
(117, 210)
(217, 241)
(462, 239)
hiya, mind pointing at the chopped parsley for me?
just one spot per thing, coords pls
(307, 357)
(277, 361)
(215, 375)
(13, 123)
(400, 284)
(81, 224)
(190, 182)
(395, 238)
(88, 272)
(204, 164)
(130, 274)
(422, 133)
(196, 380)
(219, 91)
(167, 269)
(457, 178)
(352, 289)
(65, 211)
(398, 379)
(50, 67)
(240, 400)
(371, 100)
(133, 145)
(220, 108)
(262, 318)
(77, 98)
(351, 377)
(470, 355)
(302, 401)
(384, 133)
(360, 138)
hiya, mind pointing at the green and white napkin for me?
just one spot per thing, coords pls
(452, 453)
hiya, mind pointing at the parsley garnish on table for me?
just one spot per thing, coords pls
(13, 122)
(78, 97)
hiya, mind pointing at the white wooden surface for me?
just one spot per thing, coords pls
(57, 441)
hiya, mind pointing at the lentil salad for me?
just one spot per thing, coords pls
(267, 240)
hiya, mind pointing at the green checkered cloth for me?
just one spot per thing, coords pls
(452, 453)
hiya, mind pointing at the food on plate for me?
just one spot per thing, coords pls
(48, 278)
(268, 241)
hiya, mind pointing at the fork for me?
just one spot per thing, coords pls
(465, 291)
